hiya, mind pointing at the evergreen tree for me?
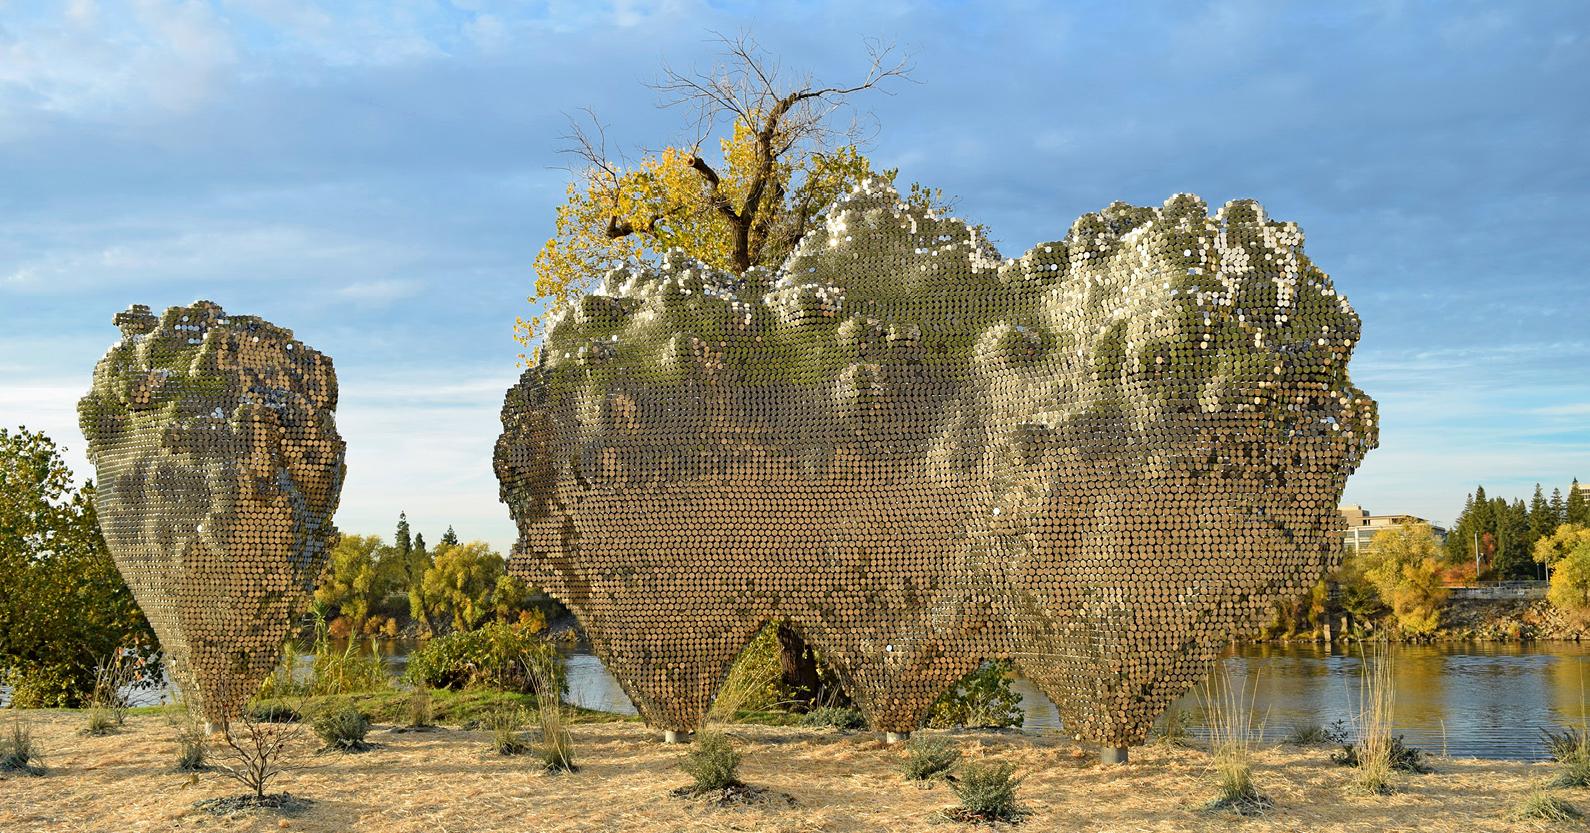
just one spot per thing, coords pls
(1460, 539)
(1559, 510)
(401, 540)
(1576, 509)
(419, 544)
(450, 538)
(1514, 544)
(1542, 519)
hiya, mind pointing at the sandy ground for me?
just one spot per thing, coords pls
(446, 782)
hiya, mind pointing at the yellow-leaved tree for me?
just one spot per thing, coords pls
(779, 164)
(1404, 565)
(1566, 554)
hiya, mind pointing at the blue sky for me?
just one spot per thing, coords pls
(378, 176)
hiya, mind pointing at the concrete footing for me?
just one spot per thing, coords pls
(1112, 754)
(895, 737)
(672, 736)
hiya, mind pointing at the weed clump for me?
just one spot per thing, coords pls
(272, 711)
(987, 793)
(343, 728)
(929, 757)
(19, 752)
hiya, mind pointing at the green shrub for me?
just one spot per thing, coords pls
(495, 656)
(713, 762)
(981, 698)
(18, 752)
(343, 727)
(837, 717)
(506, 735)
(988, 792)
(929, 757)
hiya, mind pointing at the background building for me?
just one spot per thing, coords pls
(1362, 526)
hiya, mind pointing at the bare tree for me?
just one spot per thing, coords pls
(783, 115)
(257, 753)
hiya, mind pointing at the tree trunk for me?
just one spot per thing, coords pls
(798, 665)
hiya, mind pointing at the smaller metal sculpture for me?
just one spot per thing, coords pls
(219, 468)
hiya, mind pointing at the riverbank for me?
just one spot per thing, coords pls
(1464, 620)
(446, 781)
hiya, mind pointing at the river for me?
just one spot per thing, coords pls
(1483, 700)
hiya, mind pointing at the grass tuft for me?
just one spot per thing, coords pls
(1571, 750)
(19, 752)
(1543, 806)
(1232, 735)
(507, 737)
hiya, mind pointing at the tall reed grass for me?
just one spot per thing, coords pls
(1233, 733)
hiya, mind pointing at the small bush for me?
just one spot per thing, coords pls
(988, 792)
(495, 656)
(981, 698)
(928, 757)
(18, 752)
(837, 717)
(1544, 806)
(255, 754)
(343, 728)
(1399, 756)
(1313, 734)
(272, 711)
(713, 762)
(506, 735)
(1571, 750)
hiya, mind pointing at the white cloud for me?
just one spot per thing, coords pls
(379, 291)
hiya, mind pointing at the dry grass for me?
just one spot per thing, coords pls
(1376, 698)
(444, 782)
(1232, 738)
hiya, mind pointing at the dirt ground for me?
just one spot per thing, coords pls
(446, 782)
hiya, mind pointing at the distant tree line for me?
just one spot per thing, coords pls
(1506, 531)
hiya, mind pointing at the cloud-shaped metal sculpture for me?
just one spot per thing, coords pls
(1101, 459)
(219, 467)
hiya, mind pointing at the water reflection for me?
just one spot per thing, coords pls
(1477, 699)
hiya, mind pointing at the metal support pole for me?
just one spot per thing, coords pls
(1112, 755)
(895, 737)
(674, 736)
